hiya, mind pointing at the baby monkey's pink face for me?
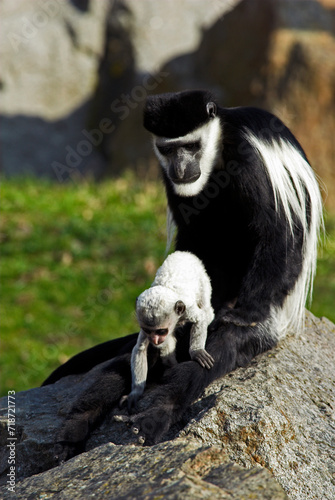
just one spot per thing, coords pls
(159, 325)
(156, 335)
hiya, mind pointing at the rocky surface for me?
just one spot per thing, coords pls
(180, 470)
(264, 431)
(64, 64)
(48, 74)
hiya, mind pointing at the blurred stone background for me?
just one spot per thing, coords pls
(75, 74)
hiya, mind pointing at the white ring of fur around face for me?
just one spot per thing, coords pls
(210, 136)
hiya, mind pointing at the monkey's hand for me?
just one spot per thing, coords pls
(131, 400)
(202, 357)
(237, 317)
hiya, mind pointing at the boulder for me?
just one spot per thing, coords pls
(48, 77)
(264, 431)
(68, 66)
(151, 42)
(180, 469)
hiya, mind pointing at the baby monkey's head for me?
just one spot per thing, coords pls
(158, 311)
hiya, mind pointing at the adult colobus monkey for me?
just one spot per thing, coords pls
(245, 200)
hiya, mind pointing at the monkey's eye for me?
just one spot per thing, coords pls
(162, 331)
(193, 147)
(166, 150)
(148, 332)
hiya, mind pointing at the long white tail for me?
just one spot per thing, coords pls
(296, 192)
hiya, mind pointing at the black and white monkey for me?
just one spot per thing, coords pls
(245, 201)
(180, 292)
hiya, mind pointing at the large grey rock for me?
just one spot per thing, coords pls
(272, 419)
(50, 54)
(156, 32)
(49, 63)
(176, 470)
(156, 41)
(63, 65)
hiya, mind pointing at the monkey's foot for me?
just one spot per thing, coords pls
(72, 437)
(149, 426)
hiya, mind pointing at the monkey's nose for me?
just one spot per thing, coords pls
(184, 174)
(158, 339)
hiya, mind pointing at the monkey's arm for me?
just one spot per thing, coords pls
(198, 338)
(139, 371)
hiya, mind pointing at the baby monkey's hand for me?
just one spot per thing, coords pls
(203, 358)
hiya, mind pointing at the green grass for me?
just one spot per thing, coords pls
(73, 260)
(324, 285)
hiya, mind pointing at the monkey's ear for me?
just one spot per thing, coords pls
(179, 307)
(211, 109)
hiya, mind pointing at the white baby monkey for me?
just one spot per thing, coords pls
(180, 292)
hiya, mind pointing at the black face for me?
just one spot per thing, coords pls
(183, 160)
(160, 331)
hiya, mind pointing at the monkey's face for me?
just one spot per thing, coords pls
(189, 160)
(158, 332)
(156, 336)
(181, 159)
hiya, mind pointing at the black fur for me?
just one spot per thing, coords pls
(176, 114)
(249, 253)
(244, 242)
(85, 360)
